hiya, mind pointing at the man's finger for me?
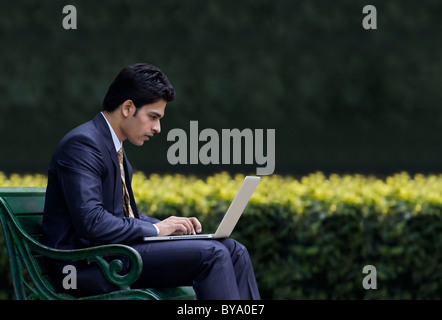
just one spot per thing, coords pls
(187, 225)
(197, 225)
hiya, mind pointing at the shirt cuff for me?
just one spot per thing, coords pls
(158, 230)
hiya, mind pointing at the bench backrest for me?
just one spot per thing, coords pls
(26, 204)
(21, 212)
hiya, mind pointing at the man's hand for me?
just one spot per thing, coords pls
(178, 226)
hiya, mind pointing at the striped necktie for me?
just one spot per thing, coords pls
(126, 200)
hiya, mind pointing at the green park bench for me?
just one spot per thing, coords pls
(21, 212)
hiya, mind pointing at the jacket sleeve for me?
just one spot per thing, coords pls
(148, 219)
(80, 170)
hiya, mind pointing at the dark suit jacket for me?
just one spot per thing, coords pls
(84, 205)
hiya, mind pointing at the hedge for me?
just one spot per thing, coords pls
(310, 237)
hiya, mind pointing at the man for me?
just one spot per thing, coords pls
(89, 200)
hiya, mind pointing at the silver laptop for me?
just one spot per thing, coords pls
(231, 217)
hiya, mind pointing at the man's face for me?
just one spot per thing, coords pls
(142, 126)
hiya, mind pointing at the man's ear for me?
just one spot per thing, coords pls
(127, 108)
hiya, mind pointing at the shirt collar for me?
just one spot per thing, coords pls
(117, 143)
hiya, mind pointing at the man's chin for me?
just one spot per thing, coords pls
(137, 143)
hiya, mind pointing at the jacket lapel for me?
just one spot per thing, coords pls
(102, 126)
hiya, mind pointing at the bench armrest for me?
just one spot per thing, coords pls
(25, 244)
(96, 254)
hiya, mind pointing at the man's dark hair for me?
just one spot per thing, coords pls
(142, 83)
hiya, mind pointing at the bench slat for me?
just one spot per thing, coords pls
(26, 204)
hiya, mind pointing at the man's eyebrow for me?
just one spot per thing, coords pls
(154, 113)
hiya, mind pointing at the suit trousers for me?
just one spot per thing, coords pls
(217, 270)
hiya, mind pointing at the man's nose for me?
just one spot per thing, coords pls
(157, 127)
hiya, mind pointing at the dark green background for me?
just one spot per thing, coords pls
(341, 98)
